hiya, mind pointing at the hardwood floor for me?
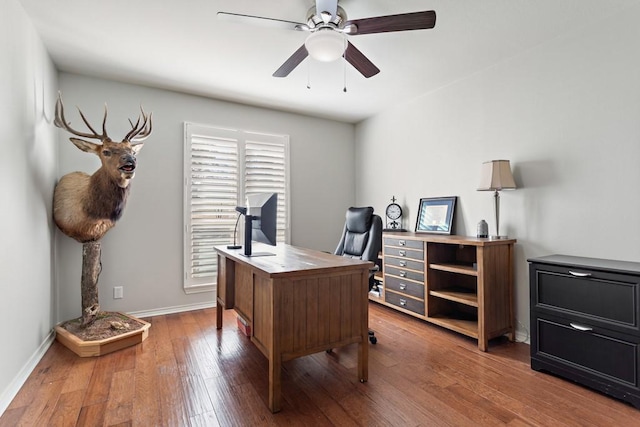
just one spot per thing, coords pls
(187, 373)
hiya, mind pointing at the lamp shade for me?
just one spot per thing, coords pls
(496, 175)
(325, 45)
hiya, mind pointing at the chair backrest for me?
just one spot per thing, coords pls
(361, 235)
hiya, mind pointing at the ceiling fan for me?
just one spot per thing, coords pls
(328, 27)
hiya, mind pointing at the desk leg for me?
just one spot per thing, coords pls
(225, 296)
(363, 359)
(363, 346)
(219, 310)
(275, 385)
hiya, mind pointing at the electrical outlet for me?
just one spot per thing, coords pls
(118, 292)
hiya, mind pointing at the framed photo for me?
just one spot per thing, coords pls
(435, 215)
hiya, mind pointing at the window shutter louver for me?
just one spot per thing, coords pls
(222, 166)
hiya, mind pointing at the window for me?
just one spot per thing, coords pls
(222, 167)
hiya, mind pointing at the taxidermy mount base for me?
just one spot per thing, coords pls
(118, 329)
(97, 332)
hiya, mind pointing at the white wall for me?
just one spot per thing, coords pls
(27, 177)
(143, 252)
(567, 115)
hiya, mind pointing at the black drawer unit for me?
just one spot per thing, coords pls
(585, 316)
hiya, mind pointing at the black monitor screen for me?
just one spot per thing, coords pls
(263, 208)
(262, 214)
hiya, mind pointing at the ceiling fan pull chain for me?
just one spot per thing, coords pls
(308, 75)
(344, 62)
(344, 89)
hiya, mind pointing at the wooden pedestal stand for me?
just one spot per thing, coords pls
(101, 347)
(91, 267)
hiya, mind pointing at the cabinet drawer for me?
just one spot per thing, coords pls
(607, 299)
(404, 273)
(406, 303)
(404, 286)
(407, 243)
(404, 253)
(587, 352)
(404, 263)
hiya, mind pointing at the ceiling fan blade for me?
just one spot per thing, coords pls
(259, 20)
(330, 6)
(291, 63)
(402, 22)
(359, 61)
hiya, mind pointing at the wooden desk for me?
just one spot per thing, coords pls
(298, 302)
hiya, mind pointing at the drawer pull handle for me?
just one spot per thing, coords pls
(580, 327)
(402, 242)
(402, 253)
(403, 286)
(403, 302)
(403, 263)
(575, 273)
(403, 274)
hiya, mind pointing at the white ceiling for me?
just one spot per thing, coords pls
(182, 46)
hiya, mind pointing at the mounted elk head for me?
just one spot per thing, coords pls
(86, 206)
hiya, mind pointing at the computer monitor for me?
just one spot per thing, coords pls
(261, 215)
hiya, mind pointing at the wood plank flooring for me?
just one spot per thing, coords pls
(187, 373)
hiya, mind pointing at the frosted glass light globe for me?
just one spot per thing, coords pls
(325, 45)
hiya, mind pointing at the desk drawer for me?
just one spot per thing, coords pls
(404, 253)
(404, 286)
(404, 302)
(404, 263)
(590, 352)
(608, 300)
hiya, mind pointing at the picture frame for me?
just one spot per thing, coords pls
(435, 215)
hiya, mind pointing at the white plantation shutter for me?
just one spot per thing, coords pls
(266, 172)
(222, 166)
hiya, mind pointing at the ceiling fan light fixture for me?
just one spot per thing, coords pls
(325, 45)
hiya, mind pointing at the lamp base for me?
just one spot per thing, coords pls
(498, 237)
(234, 247)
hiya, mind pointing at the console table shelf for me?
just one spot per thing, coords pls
(454, 268)
(465, 327)
(461, 283)
(461, 296)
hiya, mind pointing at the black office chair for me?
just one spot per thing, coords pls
(362, 239)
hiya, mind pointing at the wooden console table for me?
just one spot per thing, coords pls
(460, 283)
(297, 302)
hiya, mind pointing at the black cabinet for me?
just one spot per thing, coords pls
(585, 322)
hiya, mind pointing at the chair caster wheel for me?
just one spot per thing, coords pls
(373, 339)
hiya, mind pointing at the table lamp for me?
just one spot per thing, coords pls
(496, 176)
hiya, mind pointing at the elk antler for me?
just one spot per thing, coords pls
(140, 131)
(61, 122)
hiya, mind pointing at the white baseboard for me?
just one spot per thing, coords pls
(172, 310)
(12, 390)
(523, 336)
